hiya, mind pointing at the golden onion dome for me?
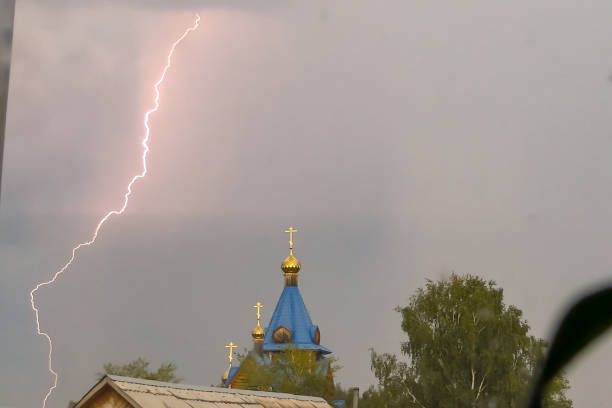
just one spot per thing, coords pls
(291, 264)
(258, 332)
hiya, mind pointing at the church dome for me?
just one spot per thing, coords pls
(258, 332)
(291, 264)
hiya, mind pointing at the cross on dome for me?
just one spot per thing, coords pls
(291, 230)
(231, 346)
(258, 306)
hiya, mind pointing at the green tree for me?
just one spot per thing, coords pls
(343, 394)
(465, 348)
(292, 371)
(139, 368)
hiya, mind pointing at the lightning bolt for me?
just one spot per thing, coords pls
(121, 210)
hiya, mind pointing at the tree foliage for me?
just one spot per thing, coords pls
(292, 371)
(139, 368)
(465, 348)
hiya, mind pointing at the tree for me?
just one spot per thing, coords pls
(292, 371)
(343, 394)
(465, 348)
(139, 369)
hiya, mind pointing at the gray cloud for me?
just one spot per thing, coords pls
(264, 6)
(405, 141)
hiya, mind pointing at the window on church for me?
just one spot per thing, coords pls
(315, 334)
(282, 335)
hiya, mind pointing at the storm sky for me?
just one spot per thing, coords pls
(404, 140)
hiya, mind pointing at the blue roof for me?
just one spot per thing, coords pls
(291, 312)
(231, 374)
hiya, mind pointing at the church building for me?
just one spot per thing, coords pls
(289, 326)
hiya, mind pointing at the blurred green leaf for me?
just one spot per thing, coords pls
(584, 322)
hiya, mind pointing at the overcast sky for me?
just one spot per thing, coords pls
(404, 141)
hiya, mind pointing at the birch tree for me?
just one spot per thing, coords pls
(465, 348)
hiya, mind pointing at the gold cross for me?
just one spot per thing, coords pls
(231, 346)
(291, 230)
(258, 306)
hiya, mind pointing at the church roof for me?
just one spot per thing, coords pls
(291, 313)
(231, 374)
(137, 393)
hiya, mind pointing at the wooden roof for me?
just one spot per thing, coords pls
(125, 392)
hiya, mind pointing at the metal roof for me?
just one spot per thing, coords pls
(231, 374)
(141, 393)
(167, 389)
(291, 312)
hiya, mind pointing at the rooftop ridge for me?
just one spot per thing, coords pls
(154, 383)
